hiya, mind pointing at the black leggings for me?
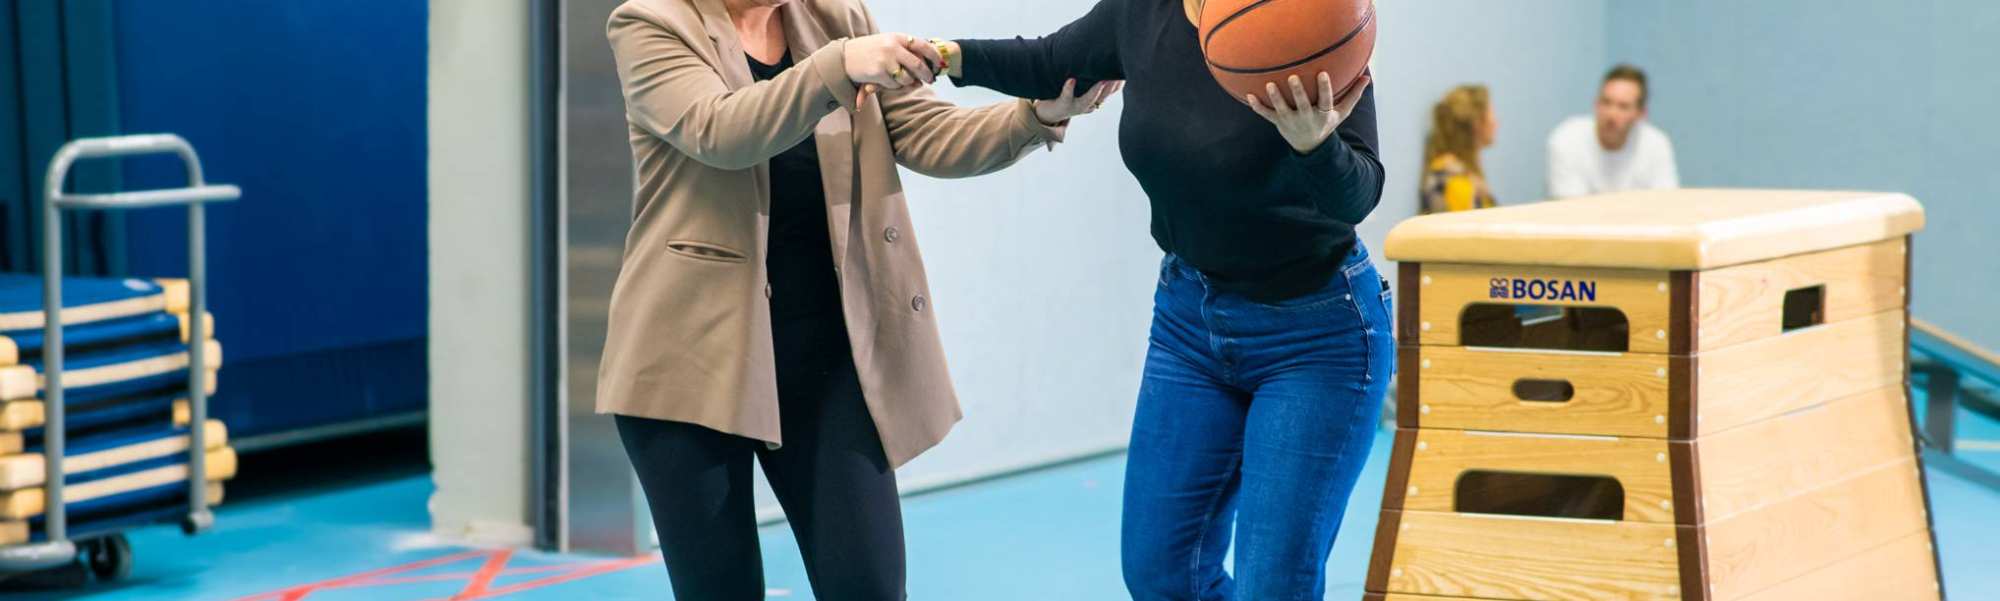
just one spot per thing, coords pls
(831, 477)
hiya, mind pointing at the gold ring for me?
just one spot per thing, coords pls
(897, 74)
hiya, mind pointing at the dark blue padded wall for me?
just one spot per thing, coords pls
(58, 81)
(317, 110)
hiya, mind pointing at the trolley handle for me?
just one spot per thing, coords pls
(196, 191)
(150, 198)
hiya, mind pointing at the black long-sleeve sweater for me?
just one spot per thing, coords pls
(1229, 195)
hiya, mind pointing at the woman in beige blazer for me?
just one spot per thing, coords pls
(772, 302)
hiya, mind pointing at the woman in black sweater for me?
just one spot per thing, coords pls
(1271, 346)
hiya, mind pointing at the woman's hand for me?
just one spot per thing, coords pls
(1309, 126)
(890, 60)
(1054, 112)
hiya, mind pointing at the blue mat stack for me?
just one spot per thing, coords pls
(125, 381)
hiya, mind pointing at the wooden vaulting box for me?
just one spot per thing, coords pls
(1690, 395)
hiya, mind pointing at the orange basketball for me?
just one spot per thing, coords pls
(1251, 42)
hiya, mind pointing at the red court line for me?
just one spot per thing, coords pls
(295, 593)
(465, 575)
(479, 583)
(586, 571)
(477, 586)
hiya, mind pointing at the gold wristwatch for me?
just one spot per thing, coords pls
(944, 51)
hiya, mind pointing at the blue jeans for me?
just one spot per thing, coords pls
(1257, 417)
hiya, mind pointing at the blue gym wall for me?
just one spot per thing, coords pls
(316, 109)
(1897, 96)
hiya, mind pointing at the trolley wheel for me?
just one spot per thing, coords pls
(109, 558)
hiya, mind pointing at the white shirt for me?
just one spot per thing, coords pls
(1579, 166)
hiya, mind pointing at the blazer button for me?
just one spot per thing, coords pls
(767, 290)
(891, 234)
(917, 303)
(832, 105)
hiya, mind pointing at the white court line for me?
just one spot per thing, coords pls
(1984, 446)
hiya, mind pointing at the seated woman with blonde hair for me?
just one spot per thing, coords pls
(1462, 124)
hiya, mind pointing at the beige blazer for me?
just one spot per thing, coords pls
(690, 328)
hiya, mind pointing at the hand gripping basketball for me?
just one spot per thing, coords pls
(1304, 124)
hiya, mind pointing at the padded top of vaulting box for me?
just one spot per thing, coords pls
(1662, 229)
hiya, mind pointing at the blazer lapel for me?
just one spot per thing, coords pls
(734, 67)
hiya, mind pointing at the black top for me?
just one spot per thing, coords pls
(1229, 195)
(800, 255)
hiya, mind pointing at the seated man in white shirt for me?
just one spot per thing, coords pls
(1616, 151)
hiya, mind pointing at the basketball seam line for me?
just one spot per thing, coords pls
(1365, 22)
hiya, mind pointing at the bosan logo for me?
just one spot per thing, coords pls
(1552, 290)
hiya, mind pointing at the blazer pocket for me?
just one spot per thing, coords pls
(703, 251)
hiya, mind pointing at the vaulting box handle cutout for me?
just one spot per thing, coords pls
(1804, 308)
(1539, 495)
(1590, 329)
(1544, 391)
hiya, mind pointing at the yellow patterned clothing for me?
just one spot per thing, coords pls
(1448, 186)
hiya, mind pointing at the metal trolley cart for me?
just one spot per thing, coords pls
(107, 553)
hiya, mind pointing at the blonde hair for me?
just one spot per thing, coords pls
(1455, 123)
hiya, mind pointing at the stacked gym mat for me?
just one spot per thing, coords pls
(125, 382)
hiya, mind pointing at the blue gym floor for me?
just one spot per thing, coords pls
(1050, 534)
